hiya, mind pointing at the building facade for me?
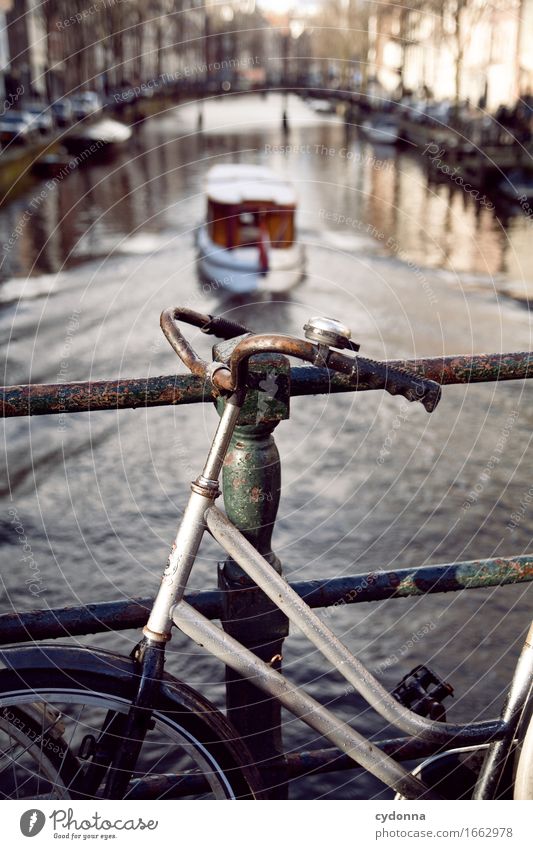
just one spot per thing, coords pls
(466, 50)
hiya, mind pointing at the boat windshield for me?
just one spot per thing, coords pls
(245, 225)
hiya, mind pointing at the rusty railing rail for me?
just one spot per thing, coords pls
(36, 399)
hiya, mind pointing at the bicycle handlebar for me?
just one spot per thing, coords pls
(397, 381)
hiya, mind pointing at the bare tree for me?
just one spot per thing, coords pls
(340, 35)
(458, 21)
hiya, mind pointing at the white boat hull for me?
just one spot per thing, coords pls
(238, 270)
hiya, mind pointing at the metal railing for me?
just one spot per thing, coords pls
(237, 603)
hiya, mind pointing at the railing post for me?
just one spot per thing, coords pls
(251, 488)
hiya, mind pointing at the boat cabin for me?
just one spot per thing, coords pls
(249, 205)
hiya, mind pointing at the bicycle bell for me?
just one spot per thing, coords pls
(330, 332)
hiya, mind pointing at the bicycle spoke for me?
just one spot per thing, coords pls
(68, 746)
(43, 734)
(13, 761)
(24, 773)
(15, 781)
(40, 759)
(5, 753)
(151, 771)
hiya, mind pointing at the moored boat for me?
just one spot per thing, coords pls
(248, 242)
(323, 107)
(517, 186)
(53, 164)
(105, 134)
(381, 130)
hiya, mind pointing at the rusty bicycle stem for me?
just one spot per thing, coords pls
(229, 379)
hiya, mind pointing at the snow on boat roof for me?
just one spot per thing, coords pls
(238, 183)
(106, 130)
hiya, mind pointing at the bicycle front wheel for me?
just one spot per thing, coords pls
(60, 729)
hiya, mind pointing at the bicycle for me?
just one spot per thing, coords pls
(84, 723)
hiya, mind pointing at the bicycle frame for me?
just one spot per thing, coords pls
(169, 608)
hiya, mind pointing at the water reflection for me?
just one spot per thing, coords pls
(386, 195)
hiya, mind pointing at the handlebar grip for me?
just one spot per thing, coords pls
(401, 381)
(224, 328)
(396, 380)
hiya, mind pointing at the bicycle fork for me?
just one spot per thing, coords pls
(137, 723)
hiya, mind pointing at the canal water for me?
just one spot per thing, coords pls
(369, 482)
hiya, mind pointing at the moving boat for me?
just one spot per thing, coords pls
(248, 242)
